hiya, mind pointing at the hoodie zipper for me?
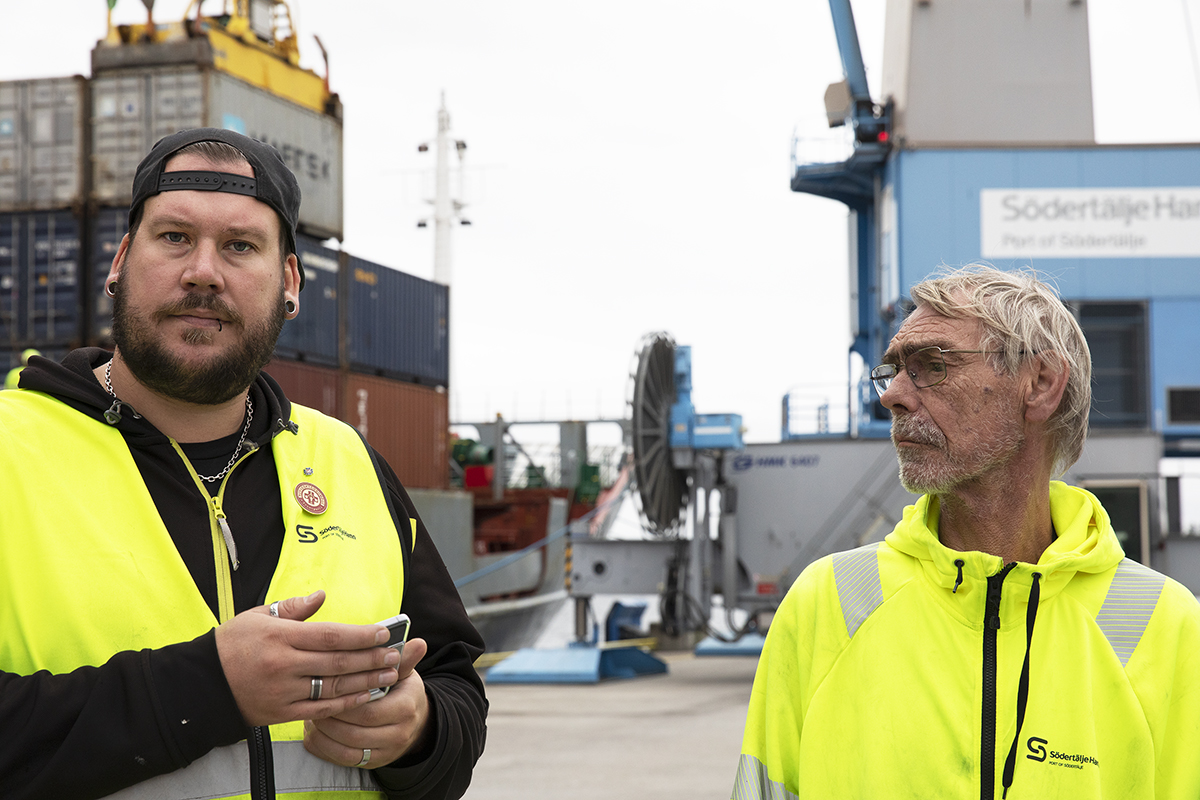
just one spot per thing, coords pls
(991, 624)
(262, 765)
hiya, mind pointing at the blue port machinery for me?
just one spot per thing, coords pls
(855, 182)
(677, 453)
(677, 457)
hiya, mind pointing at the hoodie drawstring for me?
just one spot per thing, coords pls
(113, 415)
(958, 562)
(1010, 763)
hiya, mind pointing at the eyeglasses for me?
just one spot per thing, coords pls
(925, 367)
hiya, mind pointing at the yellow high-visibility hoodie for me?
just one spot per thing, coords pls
(907, 669)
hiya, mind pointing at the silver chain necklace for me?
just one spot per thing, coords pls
(114, 412)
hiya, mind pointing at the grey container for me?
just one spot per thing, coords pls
(398, 324)
(133, 109)
(43, 143)
(40, 275)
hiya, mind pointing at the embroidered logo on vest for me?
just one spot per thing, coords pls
(310, 498)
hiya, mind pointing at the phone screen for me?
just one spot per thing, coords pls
(398, 628)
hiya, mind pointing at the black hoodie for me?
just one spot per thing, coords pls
(96, 730)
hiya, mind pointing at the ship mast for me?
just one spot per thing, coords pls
(446, 209)
(443, 210)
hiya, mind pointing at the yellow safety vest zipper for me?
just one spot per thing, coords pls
(224, 547)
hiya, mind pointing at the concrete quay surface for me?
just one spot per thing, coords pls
(673, 736)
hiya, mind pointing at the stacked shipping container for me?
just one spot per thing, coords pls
(134, 108)
(43, 143)
(68, 151)
(406, 422)
(43, 149)
(40, 269)
(387, 308)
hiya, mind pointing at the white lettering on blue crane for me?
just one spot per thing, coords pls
(744, 462)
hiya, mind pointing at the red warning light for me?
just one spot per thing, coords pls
(883, 136)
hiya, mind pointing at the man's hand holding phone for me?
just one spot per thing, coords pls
(397, 635)
(377, 733)
(273, 665)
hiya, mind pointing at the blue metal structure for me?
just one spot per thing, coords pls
(692, 431)
(855, 182)
(941, 214)
(916, 208)
(575, 665)
(682, 411)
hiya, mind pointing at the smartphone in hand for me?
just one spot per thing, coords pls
(398, 628)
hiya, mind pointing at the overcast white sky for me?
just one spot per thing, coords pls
(628, 173)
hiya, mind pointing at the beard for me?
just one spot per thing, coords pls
(222, 377)
(934, 469)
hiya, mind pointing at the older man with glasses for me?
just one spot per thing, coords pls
(997, 642)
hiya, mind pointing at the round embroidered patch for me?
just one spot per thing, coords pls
(310, 498)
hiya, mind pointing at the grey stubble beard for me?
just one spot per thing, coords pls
(933, 469)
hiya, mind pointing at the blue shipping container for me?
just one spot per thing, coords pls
(111, 225)
(10, 358)
(398, 325)
(313, 334)
(39, 279)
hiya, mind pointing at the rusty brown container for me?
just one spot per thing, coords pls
(309, 385)
(406, 423)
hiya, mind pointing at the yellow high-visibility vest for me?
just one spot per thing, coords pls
(88, 568)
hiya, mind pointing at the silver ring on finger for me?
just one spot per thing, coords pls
(315, 693)
(275, 609)
(366, 757)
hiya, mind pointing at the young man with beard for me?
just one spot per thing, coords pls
(171, 627)
(997, 643)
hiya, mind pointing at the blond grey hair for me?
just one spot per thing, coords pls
(1022, 316)
(218, 153)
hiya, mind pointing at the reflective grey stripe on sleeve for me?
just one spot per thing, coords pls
(225, 772)
(856, 573)
(1127, 608)
(752, 782)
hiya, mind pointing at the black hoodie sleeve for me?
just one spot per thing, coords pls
(96, 730)
(458, 706)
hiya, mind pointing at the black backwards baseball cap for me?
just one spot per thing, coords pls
(273, 183)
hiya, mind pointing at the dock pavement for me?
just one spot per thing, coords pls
(671, 737)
